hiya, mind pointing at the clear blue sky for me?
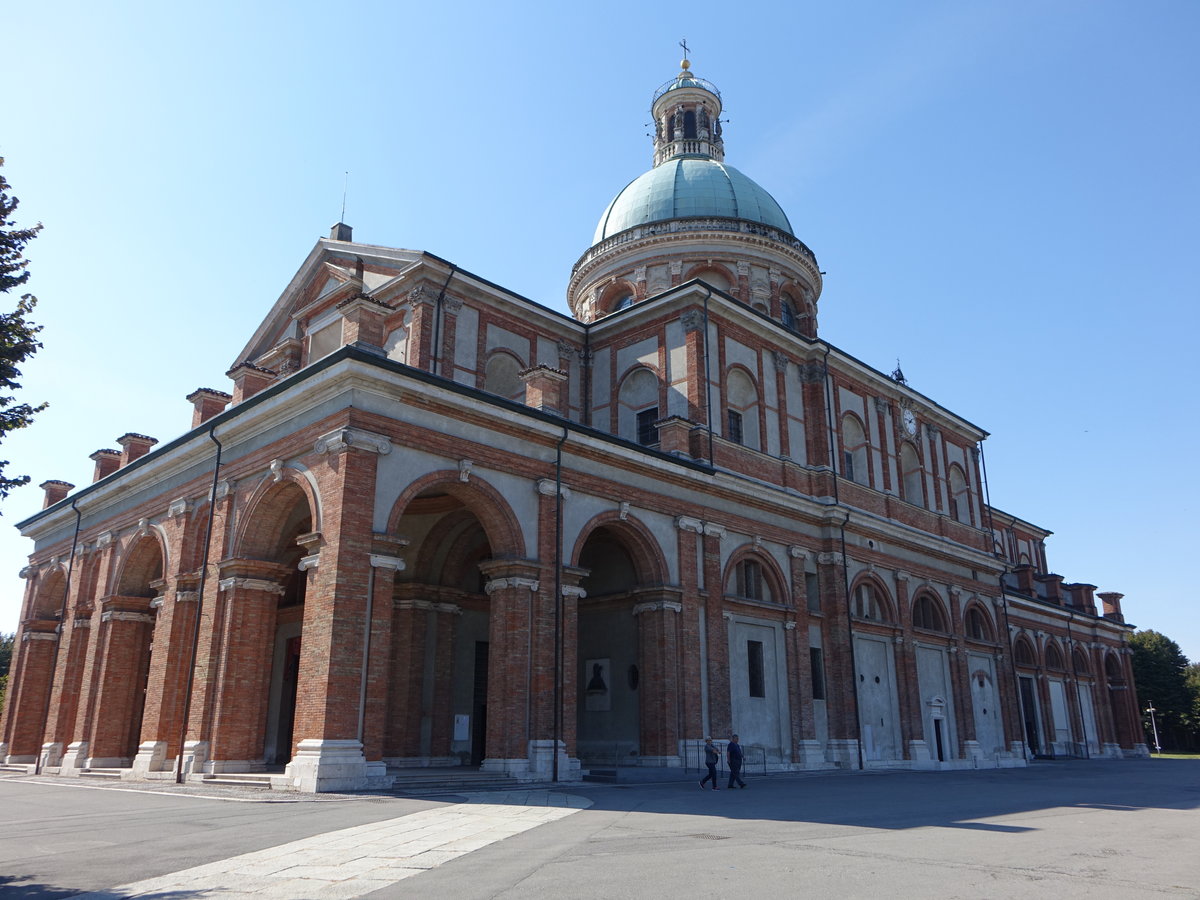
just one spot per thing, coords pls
(1004, 196)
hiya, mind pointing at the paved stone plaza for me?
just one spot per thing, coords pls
(1121, 829)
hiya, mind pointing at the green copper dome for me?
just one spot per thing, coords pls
(686, 187)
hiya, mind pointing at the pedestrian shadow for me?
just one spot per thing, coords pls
(24, 887)
(897, 800)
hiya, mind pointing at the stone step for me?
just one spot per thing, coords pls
(100, 773)
(240, 779)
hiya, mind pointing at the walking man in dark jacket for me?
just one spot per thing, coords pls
(734, 756)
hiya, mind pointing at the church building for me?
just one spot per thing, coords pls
(434, 523)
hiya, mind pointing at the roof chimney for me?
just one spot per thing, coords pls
(206, 403)
(134, 446)
(107, 462)
(1111, 601)
(340, 232)
(55, 491)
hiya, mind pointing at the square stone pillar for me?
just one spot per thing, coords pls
(123, 656)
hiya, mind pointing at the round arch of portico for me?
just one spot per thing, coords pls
(772, 574)
(697, 270)
(501, 525)
(449, 528)
(648, 559)
(267, 509)
(48, 592)
(135, 570)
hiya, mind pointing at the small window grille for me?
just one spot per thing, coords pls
(734, 431)
(817, 662)
(754, 662)
(647, 432)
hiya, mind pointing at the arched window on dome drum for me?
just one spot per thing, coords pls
(689, 124)
(927, 614)
(623, 301)
(787, 313)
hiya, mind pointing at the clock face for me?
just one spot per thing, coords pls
(909, 421)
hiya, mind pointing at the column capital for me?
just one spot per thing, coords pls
(500, 584)
(687, 523)
(120, 615)
(395, 563)
(657, 606)
(250, 584)
(342, 439)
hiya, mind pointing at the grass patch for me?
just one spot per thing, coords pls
(1175, 755)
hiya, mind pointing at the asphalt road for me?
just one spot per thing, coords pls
(1119, 829)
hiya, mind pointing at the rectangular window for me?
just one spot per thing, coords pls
(812, 589)
(849, 465)
(754, 663)
(734, 431)
(817, 662)
(647, 433)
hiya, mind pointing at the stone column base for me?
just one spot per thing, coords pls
(151, 757)
(75, 758)
(665, 762)
(541, 762)
(328, 765)
(918, 753)
(844, 752)
(516, 768)
(195, 755)
(52, 755)
(1139, 751)
(811, 755)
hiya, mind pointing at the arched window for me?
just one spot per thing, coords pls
(741, 420)
(787, 312)
(1080, 663)
(618, 295)
(977, 625)
(1054, 657)
(866, 603)
(638, 410)
(1023, 652)
(749, 582)
(960, 499)
(912, 478)
(500, 377)
(854, 450)
(689, 124)
(927, 614)
(714, 277)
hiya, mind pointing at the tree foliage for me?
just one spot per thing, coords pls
(6, 652)
(18, 336)
(1160, 671)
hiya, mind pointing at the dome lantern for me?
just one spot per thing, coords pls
(687, 118)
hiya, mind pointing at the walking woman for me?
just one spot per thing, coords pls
(712, 756)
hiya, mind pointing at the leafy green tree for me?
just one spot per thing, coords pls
(6, 651)
(18, 336)
(1191, 677)
(1159, 669)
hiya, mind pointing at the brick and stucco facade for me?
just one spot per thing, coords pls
(436, 523)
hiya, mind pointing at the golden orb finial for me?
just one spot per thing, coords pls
(685, 64)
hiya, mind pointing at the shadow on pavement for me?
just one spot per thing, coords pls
(901, 800)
